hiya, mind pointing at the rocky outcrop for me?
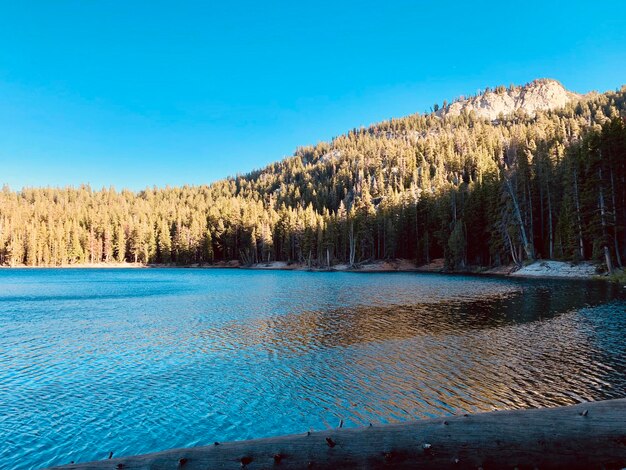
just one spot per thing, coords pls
(557, 269)
(539, 95)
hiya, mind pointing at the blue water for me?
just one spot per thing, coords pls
(94, 361)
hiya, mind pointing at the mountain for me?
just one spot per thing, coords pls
(503, 177)
(539, 95)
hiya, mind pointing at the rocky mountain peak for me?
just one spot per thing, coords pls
(538, 95)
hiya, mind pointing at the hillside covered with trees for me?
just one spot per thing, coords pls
(459, 186)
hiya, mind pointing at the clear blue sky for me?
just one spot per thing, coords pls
(142, 93)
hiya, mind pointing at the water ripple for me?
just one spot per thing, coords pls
(134, 361)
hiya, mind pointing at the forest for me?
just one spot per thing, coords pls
(472, 191)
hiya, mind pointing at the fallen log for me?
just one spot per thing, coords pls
(584, 436)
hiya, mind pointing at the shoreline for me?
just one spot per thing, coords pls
(83, 266)
(540, 269)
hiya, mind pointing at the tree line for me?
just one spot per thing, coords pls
(462, 188)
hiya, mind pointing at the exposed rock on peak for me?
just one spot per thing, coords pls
(539, 95)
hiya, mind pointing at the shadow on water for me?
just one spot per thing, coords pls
(345, 326)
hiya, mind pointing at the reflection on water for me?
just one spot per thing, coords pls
(134, 361)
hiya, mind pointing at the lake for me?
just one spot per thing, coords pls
(131, 361)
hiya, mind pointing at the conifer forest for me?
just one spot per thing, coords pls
(473, 191)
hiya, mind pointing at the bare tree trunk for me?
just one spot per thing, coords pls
(91, 244)
(550, 230)
(427, 240)
(541, 209)
(582, 436)
(466, 249)
(352, 243)
(578, 218)
(530, 210)
(511, 247)
(622, 186)
(618, 258)
(384, 238)
(417, 237)
(607, 258)
(518, 215)
(607, 252)
(378, 239)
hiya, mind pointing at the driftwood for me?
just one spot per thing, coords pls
(585, 436)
